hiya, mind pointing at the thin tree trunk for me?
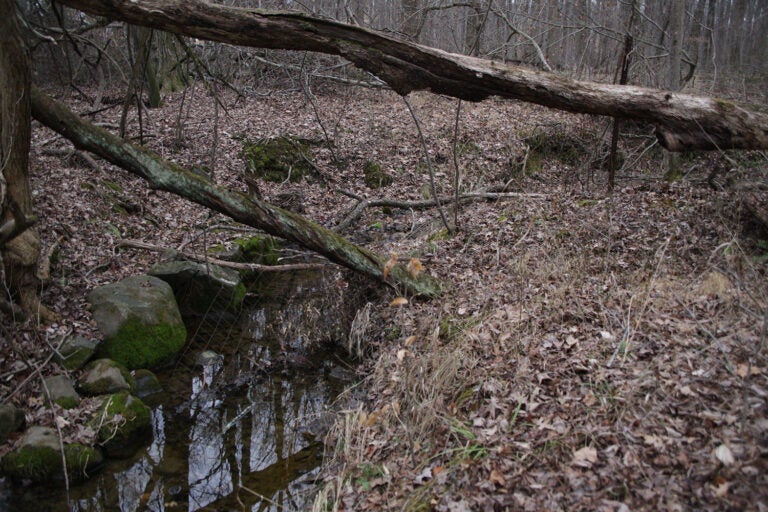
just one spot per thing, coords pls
(173, 178)
(683, 122)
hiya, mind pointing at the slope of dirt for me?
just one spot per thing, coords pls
(589, 353)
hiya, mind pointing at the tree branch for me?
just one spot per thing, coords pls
(683, 122)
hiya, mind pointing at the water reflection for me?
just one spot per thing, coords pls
(230, 435)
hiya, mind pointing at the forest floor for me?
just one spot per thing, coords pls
(590, 352)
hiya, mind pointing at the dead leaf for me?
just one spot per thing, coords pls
(414, 267)
(724, 455)
(410, 341)
(744, 369)
(390, 264)
(584, 457)
(497, 478)
(402, 353)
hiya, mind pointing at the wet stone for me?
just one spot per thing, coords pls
(146, 384)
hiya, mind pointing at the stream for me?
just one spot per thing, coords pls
(240, 421)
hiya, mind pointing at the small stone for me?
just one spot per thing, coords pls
(146, 384)
(208, 358)
(62, 391)
(105, 376)
(11, 420)
(75, 351)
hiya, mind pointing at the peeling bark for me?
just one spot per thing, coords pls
(171, 177)
(683, 122)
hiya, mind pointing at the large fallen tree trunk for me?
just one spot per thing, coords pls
(683, 122)
(173, 178)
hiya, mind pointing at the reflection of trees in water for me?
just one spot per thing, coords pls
(209, 474)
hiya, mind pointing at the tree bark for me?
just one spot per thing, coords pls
(19, 241)
(173, 178)
(683, 122)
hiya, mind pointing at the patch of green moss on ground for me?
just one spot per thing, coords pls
(278, 159)
(145, 346)
(374, 176)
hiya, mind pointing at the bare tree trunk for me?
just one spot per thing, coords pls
(19, 241)
(168, 176)
(676, 29)
(683, 122)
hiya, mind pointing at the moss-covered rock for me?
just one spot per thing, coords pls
(201, 288)
(123, 423)
(39, 459)
(62, 392)
(105, 376)
(140, 320)
(11, 420)
(278, 159)
(374, 175)
(75, 351)
(263, 250)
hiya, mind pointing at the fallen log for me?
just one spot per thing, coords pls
(683, 122)
(171, 177)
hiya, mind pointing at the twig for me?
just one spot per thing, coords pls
(429, 166)
(138, 244)
(60, 436)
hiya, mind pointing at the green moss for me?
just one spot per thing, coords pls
(126, 421)
(67, 402)
(36, 463)
(105, 385)
(443, 234)
(375, 177)
(239, 294)
(584, 203)
(724, 105)
(81, 459)
(392, 332)
(279, 159)
(145, 346)
(264, 250)
(43, 463)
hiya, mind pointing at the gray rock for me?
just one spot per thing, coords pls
(62, 391)
(140, 321)
(38, 436)
(75, 351)
(11, 420)
(146, 384)
(105, 376)
(201, 288)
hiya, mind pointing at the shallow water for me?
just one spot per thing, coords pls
(236, 433)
